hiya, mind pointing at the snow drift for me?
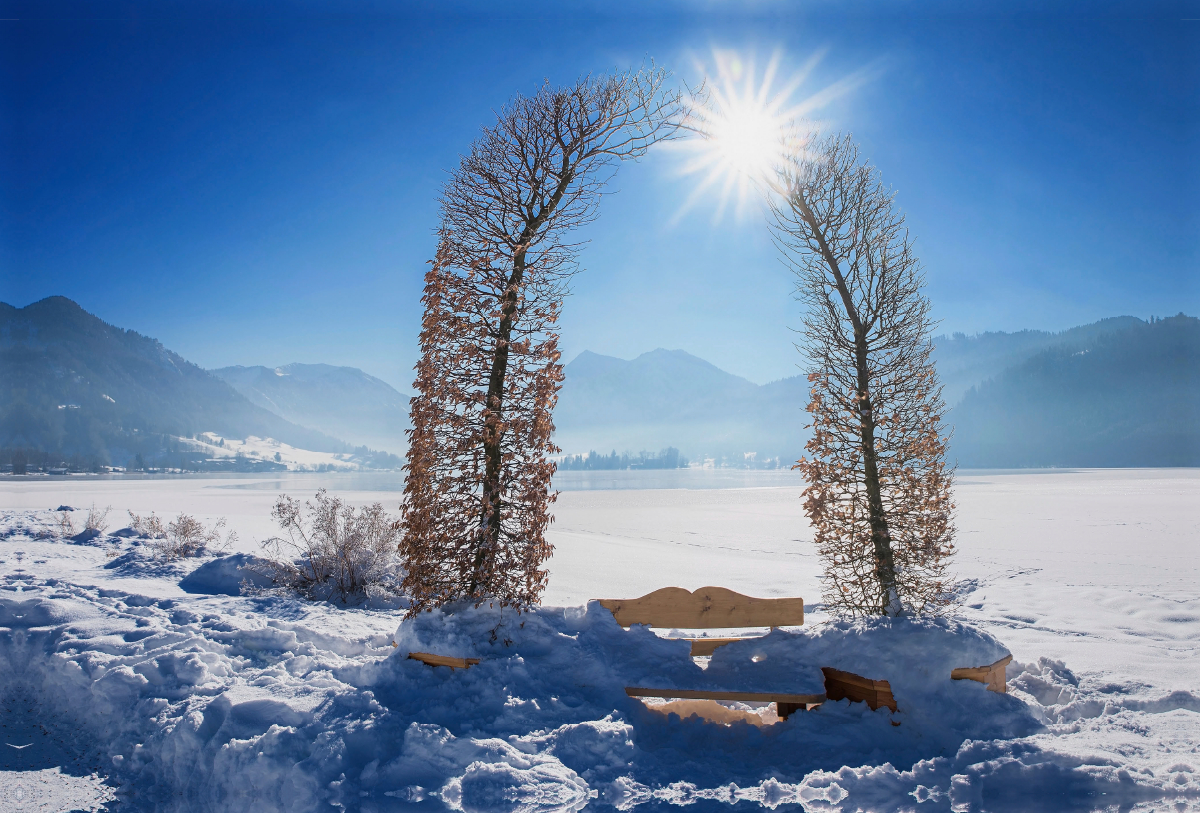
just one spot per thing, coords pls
(209, 701)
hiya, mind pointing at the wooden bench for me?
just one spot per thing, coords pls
(720, 608)
(713, 608)
(716, 607)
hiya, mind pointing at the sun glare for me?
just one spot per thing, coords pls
(746, 124)
(747, 140)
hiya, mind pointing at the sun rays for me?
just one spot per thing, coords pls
(748, 124)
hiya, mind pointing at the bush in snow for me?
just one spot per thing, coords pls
(97, 520)
(187, 536)
(332, 550)
(66, 527)
(150, 527)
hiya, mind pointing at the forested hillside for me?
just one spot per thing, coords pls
(1129, 397)
(77, 386)
(967, 361)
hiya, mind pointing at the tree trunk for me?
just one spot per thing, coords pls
(492, 436)
(881, 540)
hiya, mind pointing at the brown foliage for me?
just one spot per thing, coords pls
(477, 492)
(879, 489)
(460, 541)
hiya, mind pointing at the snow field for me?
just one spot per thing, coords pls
(216, 702)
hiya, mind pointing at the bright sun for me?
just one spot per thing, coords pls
(746, 125)
(746, 139)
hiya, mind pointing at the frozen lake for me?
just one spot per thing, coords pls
(1098, 568)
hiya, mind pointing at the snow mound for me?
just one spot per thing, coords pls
(915, 655)
(233, 702)
(224, 575)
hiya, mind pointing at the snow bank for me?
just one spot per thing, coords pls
(188, 710)
(209, 701)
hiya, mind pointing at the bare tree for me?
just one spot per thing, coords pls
(879, 490)
(478, 475)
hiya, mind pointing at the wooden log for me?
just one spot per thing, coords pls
(993, 674)
(706, 608)
(430, 659)
(841, 685)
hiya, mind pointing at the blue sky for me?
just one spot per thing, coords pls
(256, 183)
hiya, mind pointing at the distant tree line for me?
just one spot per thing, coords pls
(668, 458)
(21, 460)
(163, 452)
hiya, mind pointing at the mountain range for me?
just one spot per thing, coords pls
(1117, 392)
(669, 398)
(1125, 397)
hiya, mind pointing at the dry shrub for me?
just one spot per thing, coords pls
(333, 550)
(97, 520)
(66, 527)
(187, 536)
(150, 527)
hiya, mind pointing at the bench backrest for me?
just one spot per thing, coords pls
(706, 608)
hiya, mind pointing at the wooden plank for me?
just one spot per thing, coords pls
(443, 660)
(993, 674)
(706, 646)
(841, 685)
(706, 608)
(707, 694)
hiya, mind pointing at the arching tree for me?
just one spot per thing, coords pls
(477, 491)
(879, 490)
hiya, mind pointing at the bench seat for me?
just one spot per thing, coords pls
(703, 647)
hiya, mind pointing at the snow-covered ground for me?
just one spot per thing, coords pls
(116, 683)
(267, 449)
